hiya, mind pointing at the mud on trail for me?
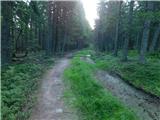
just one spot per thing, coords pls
(50, 105)
(145, 106)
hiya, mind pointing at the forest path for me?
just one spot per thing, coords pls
(145, 106)
(50, 105)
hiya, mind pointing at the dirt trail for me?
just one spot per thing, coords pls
(50, 105)
(146, 107)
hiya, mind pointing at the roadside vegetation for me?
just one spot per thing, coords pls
(143, 76)
(19, 84)
(27, 28)
(86, 94)
(127, 44)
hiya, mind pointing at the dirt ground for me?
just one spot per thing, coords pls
(145, 106)
(50, 105)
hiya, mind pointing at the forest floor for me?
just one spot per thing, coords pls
(145, 106)
(50, 105)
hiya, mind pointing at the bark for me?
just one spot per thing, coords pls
(39, 36)
(6, 36)
(43, 37)
(17, 40)
(48, 43)
(65, 36)
(128, 33)
(54, 30)
(26, 37)
(155, 39)
(31, 29)
(145, 35)
(138, 40)
(115, 52)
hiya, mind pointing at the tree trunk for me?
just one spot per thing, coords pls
(26, 38)
(145, 35)
(6, 38)
(115, 52)
(128, 33)
(48, 43)
(138, 40)
(43, 37)
(155, 39)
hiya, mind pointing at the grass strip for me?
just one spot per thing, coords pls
(90, 99)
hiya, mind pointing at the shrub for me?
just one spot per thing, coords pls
(19, 82)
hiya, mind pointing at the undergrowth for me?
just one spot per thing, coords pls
(19, 83)
(144, 76)
(92, 101)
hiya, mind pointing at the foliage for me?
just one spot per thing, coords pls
(154, 55)
(89, 97)
(53, 26)
(19, 83)
(125, 27)
(146, 77)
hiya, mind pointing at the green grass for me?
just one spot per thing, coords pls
(90, 99)
(144, 76)
(19, 83)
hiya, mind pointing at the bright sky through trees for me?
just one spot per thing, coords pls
(90, 7)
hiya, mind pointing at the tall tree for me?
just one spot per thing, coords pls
(117, 28)
(155, 39)
(7, 7)
(128, 32)
(146, 31)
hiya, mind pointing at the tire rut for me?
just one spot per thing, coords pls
(145, 106)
